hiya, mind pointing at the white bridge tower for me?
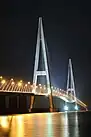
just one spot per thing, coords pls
(71, 86)
(41, 44)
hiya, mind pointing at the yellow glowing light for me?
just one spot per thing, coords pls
(3, 81)
(28, 115)
(39, 84)
(19, 118)
(12, 82)
(4, 122)
(1, 77)
(21, 81)
(19, 84)
(20, 126)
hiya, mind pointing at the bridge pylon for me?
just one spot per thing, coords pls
(71, 86)
(41, 44)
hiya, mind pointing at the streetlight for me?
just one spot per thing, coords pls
(12, 82)
(1, 77)
(25, 85)
(11, 79)
(28, 82)
(19, 84)
(3, 81)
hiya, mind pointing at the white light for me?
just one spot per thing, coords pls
(29, 82)
(12, 83)
(65, 107)
(11, 79)
(76, 107)
(51, 87)
(1, 77)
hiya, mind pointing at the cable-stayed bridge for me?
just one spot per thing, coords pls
(10, 85)
(68, 95)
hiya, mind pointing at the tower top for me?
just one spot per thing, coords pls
(69, 60)
(40, 21)
(40, 29)
(40, 18)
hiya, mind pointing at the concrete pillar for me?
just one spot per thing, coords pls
(7, 101)
(17, 101)
(51, 103)
(31, 102)
(28, 101)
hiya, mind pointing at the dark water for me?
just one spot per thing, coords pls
(70, 124)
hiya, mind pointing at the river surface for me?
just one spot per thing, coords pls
(70, 124)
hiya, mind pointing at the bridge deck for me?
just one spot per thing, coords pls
(26, 88)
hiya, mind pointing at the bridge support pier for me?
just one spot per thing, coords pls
(17, 101)
(51, 103)
(7, 101)
(31, 103)
(28, 101)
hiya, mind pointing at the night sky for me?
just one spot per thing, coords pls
(67, 27)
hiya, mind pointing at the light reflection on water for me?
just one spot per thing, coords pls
(41, 125)
(76, 129)
(73, 125)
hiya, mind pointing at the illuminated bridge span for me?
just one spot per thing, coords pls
(68, 95)
(22, 87)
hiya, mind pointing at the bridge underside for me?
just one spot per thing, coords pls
(20, 103)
